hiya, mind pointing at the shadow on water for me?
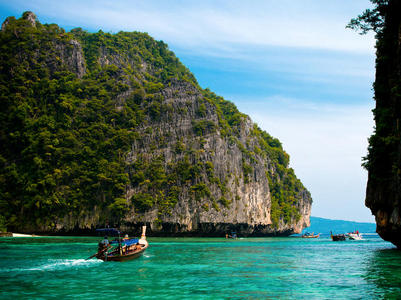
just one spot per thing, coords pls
(384, 272)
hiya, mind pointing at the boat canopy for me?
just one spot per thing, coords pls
(127, 242)
(108, 231)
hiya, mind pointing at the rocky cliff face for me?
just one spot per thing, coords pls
(248, 200)
(133, 139)
(384, 159)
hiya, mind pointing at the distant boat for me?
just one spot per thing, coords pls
(121, 249)
(233, 235)
(355, 236)
(308, 235)
(337, 237)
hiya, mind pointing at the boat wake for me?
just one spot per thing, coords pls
(66, 264)
(57, 265)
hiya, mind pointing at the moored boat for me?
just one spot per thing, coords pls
(121, 249)
(308, 235)
(233, 235)
(355, 236)
(337, 237)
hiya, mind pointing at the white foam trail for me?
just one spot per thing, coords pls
(67, 263)
(61, 264)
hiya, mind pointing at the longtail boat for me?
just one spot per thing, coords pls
(121, 249)
(310, 235)
(337, 237)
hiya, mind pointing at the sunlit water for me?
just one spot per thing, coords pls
(202, 268)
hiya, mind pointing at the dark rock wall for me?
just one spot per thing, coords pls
(384, 160)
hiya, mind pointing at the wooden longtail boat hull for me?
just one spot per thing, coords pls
(337, 238)
(311, 236)
(116, 255)
(124, 257)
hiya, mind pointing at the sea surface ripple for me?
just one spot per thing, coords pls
(202, 268)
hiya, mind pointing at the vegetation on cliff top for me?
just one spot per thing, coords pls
(382, 160)
(65, 138)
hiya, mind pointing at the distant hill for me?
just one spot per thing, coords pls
(324, 226)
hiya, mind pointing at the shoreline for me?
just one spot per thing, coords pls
(15, 234)
(24, 235)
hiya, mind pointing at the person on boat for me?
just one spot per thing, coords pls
(103, 245)
(105, 242)
(125, 248)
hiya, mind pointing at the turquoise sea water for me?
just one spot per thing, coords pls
(202, 268)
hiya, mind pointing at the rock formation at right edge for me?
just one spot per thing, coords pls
(383, 162)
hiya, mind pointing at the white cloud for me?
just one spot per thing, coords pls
(220, 26)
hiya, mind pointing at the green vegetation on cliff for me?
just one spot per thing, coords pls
(383, 161)
(68, 121)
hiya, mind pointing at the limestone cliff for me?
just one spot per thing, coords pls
(248, 199)
(105, 129)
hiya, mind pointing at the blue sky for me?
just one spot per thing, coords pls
(290, 65)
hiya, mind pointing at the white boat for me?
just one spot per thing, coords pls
(355, 236)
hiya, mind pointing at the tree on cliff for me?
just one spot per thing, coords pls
(371, 19)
